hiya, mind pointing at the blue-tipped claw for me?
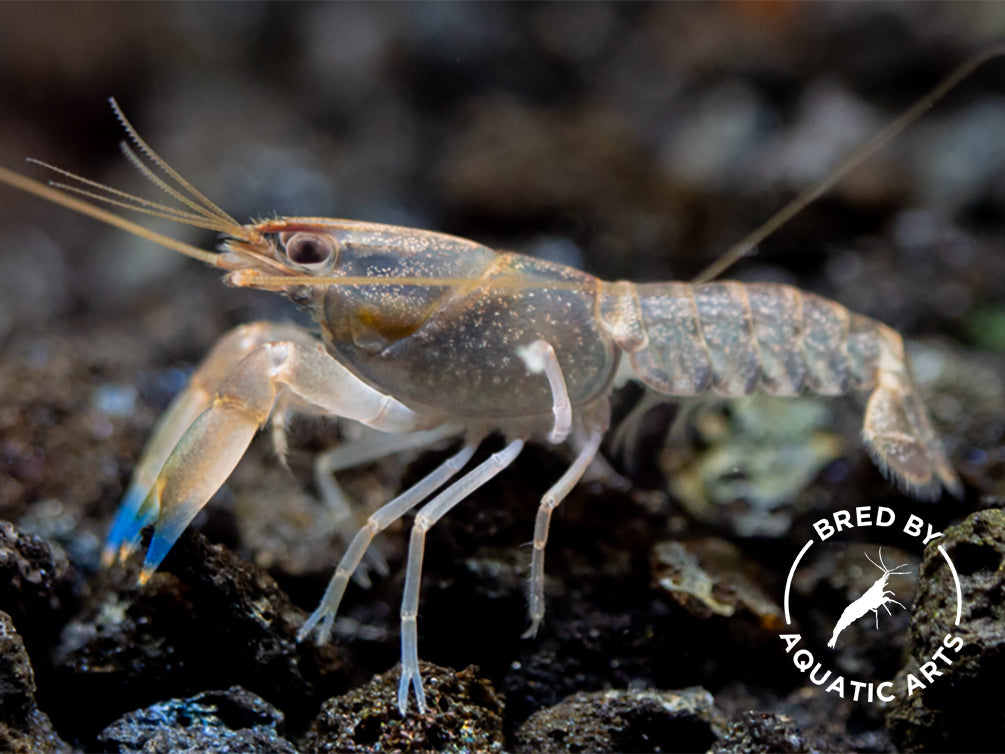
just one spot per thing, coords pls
(160, 545)
(136, 512)
(129, 521)
(172, 520)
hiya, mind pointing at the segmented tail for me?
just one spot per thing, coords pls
(734, 339)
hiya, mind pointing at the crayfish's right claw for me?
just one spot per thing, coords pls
(139, 506)
(204, 458)
(211, 447)
(138, 509)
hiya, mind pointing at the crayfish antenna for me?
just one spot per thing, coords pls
(64, 199)
(877, 142)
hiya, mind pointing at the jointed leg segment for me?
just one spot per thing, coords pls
(428, 515)
(539, 357)
(350, 455)
(323, 617)
(549, 502)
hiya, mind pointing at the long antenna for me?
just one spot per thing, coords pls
(86, 208)
(794, 207)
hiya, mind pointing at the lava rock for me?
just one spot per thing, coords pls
(36, 582)
(960, 709)
(229, 721)
(625, 720)
(761, 731)
(23, 727)
(465, 714)
(205, 616)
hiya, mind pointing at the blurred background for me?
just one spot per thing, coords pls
(635, 141)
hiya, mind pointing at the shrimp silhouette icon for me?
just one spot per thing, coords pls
(875, 597)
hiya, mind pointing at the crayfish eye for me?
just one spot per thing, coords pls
(310, 250)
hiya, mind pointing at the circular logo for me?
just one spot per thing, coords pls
(867, 605)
